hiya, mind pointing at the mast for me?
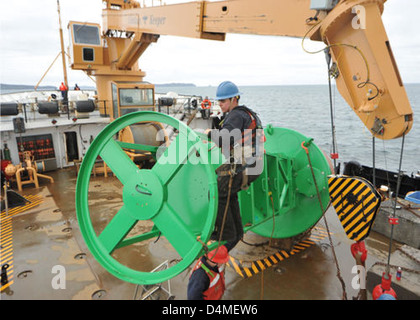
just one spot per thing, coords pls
(63, 53)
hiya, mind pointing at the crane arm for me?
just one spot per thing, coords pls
(212, 20)
(363, 65)
(184, 19)
(135, 49)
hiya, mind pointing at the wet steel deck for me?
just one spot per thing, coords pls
(46, 235)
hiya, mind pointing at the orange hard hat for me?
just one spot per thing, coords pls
(218, 255)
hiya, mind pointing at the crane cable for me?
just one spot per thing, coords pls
(360, 85)
(395, 204)
(334, 153)
(340, 278)
(392, 220)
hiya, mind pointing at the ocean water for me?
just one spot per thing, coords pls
(307, 109)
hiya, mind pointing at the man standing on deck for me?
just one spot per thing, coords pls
(64, 90)
(241, 138)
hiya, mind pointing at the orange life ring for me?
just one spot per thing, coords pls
(206, 104)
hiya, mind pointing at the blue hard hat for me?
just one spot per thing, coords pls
(386, 296)
(227, 89)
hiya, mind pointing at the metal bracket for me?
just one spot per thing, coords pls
(154, 292)
(393, 220)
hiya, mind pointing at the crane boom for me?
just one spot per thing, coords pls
(212, 20)
(364, 67)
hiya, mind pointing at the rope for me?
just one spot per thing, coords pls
(227, 205)
(255, 244)
(225, 212)
(359, 85)
(337, 45)
(340, 278)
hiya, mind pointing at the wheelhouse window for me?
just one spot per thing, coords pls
(84, 34)
(136, 97)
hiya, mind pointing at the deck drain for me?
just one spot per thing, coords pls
(325, 246)
(280, 270)
(80, 256)
(32, 227)
(67, 229)
(99, 294)
(24, 274)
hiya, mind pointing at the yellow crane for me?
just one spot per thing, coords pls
(366, 74)
(363, 64)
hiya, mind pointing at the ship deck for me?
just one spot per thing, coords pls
(41, 240)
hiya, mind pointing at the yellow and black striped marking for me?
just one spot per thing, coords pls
(257, 266)
(6, 237)
(356, 203)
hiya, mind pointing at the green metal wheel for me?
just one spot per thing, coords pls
(178, 195)
(283, 202)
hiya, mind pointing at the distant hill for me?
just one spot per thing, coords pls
(16, 87)
(175, 85)
(8, 88)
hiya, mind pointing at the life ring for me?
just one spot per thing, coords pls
(206, 104)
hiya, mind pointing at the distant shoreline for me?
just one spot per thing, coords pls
(7, 86)
(17, 87)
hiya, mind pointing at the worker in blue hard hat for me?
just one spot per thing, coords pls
(241, 138)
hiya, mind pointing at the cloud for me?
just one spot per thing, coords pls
(29, 42)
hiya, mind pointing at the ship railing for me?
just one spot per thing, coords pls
(174, 104)
(32, 111)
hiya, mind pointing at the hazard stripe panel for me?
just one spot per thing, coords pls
(257, 266)
(356, 203)
(6, 251)
(33, 202)
(6, 237)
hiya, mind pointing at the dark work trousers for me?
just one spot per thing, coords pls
(64, 94)
(233, 230)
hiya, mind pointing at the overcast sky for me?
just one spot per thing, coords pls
(29, 42)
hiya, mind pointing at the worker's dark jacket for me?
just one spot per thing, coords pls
(229, 227)
(240, 120)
